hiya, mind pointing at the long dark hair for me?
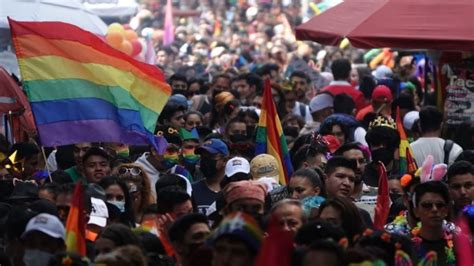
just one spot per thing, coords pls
(127, 218)
(352, 223)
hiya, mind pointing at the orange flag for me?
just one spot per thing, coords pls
(76, 224)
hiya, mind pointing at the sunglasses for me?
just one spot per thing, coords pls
(429, 205)
(134, 171)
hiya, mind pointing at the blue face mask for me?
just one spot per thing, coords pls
(119, 204)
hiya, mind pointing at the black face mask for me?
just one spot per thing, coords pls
(208, 167)
(394, 196)
(237, 138)
(250, 132)
(291, 131)
(383, 155)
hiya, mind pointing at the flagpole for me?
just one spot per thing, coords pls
(46, 164)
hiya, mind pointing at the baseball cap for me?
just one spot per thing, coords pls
(179, 99)
(382, 93)
(382, 72)
(99, 212)
(237, 165)
(214, 146)
(47, 224)
(410, 118)
(264, 165)
(320, 102)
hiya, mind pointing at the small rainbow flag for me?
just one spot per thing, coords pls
(270, 138)
(168, 37)
(83, 90)
(75, 223)
(407, 164)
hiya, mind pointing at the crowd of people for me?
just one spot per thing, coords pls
(210, 200)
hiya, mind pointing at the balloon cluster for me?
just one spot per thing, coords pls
(125, 39)
(376, 57)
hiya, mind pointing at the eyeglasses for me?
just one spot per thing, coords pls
(134, 171)
(429, 205)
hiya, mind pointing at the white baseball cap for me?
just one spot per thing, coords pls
(237, 165)
(47, 224)
(320, 102)
(410, 118)
(99, 213)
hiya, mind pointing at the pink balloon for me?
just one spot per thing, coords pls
(137, 47)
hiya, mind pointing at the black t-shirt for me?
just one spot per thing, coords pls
(366, 218)
(203, 196)
(437, 246)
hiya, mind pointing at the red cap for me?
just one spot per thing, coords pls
(382, 93)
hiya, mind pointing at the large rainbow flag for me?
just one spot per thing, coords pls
(83, 90)
(407, 163)
(76, 224)
(270, 138)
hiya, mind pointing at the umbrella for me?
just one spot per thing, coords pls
(69, 11)
(420, 24)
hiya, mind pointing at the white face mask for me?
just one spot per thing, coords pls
(35, 257)
(119, 204)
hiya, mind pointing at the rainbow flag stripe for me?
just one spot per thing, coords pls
(407, 164)
(83, 90)
(75, 223)
(270, 138)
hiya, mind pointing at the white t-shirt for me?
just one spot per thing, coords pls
(423, 147)
(297, 111)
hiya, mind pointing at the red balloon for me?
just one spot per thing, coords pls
(137, 47)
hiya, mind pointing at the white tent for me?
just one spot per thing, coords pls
(108, 9)
(69, 11)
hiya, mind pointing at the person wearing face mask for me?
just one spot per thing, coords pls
(155, 164)
(43, 237)
(383, 140)
(236, 130)
(214, 154)
(179, 84)
(189, 158)
(116, 193)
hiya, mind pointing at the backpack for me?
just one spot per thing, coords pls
(303, 110)
(448, 146)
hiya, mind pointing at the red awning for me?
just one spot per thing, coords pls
(409, 24)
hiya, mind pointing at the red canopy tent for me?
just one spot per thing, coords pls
(410, 24)
(13, 102)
